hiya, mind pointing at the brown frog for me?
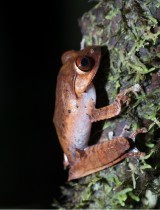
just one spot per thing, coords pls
(75, 111)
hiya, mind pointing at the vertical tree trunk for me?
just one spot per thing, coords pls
(130, 34)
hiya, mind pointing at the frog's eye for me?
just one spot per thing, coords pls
(85, 63)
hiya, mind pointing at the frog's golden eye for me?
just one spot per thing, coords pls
(85, 63)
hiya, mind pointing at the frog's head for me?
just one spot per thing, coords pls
(83, 66)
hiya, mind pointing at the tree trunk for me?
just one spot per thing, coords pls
(130, 35)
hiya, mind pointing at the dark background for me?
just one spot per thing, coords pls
(32, 39)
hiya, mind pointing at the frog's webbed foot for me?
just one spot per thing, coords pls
(135, 153)
(136, 132)
(123, 98)
(126, 133)
(114, 109)
(132, 135)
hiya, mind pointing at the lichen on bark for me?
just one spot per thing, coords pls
(130, 30)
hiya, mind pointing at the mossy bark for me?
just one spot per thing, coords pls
(130, 33)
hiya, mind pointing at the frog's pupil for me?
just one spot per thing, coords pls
(84, 62)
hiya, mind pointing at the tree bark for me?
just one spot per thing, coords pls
(130, 35)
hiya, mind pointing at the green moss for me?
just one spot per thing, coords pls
(130, 31)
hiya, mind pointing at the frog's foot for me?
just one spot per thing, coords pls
(134, 134)
(135, 88)
(135, 153)
(123, 98)
(126, 133)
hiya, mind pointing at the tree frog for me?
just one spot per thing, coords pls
(75, 111)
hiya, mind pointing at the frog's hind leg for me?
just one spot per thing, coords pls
(105, 154)
(101, 156)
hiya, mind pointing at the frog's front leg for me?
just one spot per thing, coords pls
(115, 108)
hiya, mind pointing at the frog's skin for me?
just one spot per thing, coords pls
(75, 111)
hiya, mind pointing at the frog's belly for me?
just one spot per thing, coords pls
(78, 121)
(81, 130)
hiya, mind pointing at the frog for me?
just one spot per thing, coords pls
(75, 111)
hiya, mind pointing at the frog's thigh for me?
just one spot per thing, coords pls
(108, 151)
(99, 156)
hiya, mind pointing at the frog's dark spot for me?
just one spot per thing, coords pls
(77, 106)
(89, 116)
(69, 111)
